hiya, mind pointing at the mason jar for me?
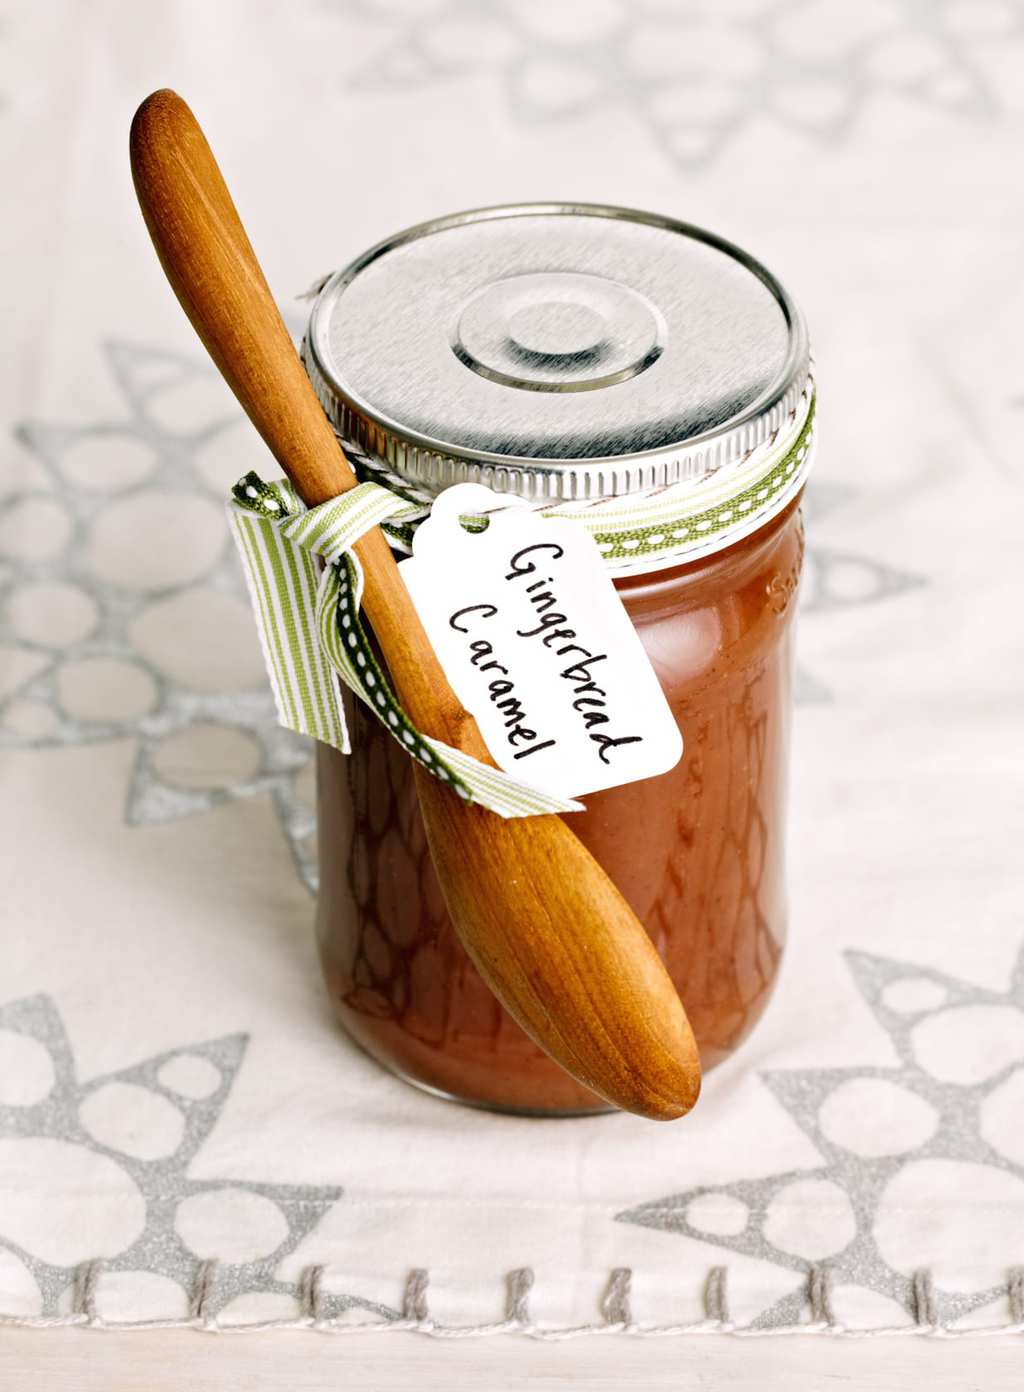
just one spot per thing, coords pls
(652, 381)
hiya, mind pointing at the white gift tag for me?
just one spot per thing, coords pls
(537, 645)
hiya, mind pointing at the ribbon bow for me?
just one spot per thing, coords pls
(310, 630)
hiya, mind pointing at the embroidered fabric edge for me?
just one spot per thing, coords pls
(614, 1306)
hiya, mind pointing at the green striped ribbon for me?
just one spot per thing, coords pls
(308, 619)
(662, 527)
(310, 631)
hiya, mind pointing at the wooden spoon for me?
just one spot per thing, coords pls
(542, 922)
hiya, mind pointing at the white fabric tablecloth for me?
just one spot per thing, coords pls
(184, 1132)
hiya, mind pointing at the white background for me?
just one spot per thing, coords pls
(867, 154)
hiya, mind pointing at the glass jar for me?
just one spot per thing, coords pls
(699, 851)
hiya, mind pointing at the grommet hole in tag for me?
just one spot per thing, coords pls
(537, 645)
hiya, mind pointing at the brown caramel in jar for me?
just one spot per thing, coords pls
(590, 358)
(698, 852)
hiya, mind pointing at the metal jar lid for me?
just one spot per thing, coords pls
(556, 350)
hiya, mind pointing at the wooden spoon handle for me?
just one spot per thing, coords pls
(213, 270)
(546, 927)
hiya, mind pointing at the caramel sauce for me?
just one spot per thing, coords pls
(698, 852)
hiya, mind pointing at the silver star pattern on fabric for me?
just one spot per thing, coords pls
(145, 377)
(905, 1000)
(834, 580)
(161, 1179)
(697, 73)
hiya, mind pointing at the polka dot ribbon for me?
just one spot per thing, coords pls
(310, 631)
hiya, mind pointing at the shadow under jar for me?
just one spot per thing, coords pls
(560, 351)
